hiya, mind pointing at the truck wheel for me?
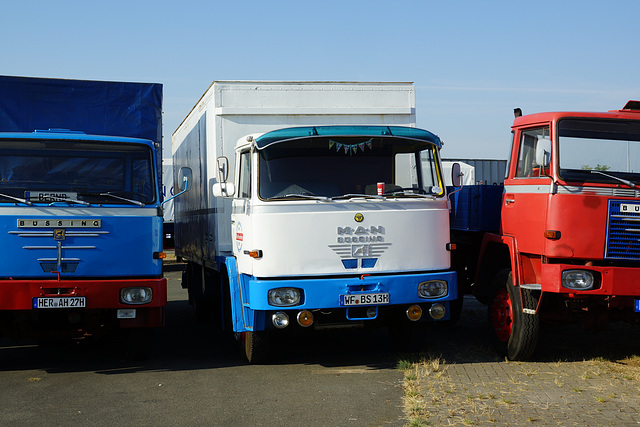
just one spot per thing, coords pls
(136, 343)
(514, 333)
(255, 345)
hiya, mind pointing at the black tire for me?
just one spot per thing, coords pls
(137, 343)
(514, 333)
(255, 346)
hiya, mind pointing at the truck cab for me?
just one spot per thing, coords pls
(568, 247)
(337, 226)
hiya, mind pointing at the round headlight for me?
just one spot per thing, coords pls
(437, 311)
(285, 297)
(433, 289)
(280, 320)
(580, 280)
(136, 295)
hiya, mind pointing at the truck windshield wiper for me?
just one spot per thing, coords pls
(302, 196)
(409, 192)
(115, 196)
(63, 199)
(359, 196)
(17, 199)
(622, 180)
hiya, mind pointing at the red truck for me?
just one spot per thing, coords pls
(560, 241)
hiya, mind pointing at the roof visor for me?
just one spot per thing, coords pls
(290, 134)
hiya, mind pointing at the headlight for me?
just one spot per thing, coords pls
(433, 289)
(136, 295)
(580, 280)
(285, 297)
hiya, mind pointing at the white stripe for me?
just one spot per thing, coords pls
(529, 189)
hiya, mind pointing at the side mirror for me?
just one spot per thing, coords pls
(543, 152)
(223, 189)
(184, 178)
(456, 175)
(222, 171)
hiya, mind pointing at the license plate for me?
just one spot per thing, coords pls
(60, 302)
(364, 299)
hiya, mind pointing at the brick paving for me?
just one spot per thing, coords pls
(571, 380)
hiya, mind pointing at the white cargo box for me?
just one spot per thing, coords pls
(230, 110)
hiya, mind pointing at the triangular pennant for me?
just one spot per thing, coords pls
(331, 144)
(361, 145)
(338, 146)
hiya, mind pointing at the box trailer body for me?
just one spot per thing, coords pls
(80, 209)
(559, 241)
(298, 226)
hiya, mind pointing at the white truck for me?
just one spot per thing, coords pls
(309, 205)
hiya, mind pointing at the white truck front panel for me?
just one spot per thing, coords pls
(342, 238)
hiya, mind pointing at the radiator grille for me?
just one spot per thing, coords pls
(623, 230)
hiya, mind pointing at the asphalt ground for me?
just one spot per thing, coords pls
(197, 377)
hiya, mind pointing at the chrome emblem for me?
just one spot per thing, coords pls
(359, 217)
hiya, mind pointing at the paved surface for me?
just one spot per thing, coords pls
(197, 378)
(570, 382)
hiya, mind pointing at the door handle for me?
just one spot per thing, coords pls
(509, 201)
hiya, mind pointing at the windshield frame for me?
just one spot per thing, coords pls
(338, 151)
(604, 131)
(74, 168)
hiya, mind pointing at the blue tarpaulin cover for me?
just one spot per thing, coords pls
(93, 107)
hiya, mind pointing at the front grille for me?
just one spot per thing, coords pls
(623, 230)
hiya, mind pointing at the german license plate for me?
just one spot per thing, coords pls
(364, 299)
(60, 302)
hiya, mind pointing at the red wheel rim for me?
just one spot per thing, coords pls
(502, 315)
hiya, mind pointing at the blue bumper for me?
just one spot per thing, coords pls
(252, 311)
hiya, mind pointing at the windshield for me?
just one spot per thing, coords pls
(348, 166)
(599, 150)
(88, 172)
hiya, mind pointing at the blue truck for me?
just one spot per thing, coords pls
(80, 210)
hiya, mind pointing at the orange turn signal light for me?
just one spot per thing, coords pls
(256, 253)
(552, 234)
(305, 318)
(159, 255)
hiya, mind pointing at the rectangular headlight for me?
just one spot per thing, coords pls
(580, 280)
(285, 297)
(433, 289)
(135, 296)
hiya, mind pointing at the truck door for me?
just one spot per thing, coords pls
(527, 190)
(241, 213)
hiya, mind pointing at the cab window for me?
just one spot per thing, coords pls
(244, 187)
(527, 166)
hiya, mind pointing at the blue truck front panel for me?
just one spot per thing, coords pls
(96, 242)
(249, 295)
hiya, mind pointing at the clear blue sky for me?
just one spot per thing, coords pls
(472, 62)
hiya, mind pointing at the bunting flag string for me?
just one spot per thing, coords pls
(351, 149)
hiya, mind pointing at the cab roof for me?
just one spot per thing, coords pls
(336, 131)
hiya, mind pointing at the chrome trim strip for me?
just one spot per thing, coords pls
(55, 247)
